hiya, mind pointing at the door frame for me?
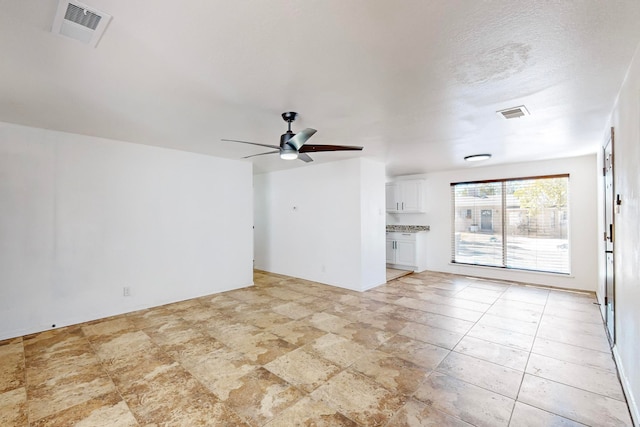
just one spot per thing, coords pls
(608, 182)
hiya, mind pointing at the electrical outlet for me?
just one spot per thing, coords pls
(126, 291)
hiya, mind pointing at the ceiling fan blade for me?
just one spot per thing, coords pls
(301, 137)
(318, 148)
(262, 154)
(304, 157)
(252, 143)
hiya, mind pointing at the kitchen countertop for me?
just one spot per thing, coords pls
(408, 228)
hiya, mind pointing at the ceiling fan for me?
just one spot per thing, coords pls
(292, 145)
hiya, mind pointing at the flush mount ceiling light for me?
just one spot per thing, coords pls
(513, 112)
(477, 157)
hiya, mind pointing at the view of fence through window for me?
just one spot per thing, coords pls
(517, 223)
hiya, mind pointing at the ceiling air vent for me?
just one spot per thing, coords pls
(79, 21)
(514, 112)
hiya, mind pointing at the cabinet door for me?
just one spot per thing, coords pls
(392, 197)
(391, 252)
(406, 252)
(411, 195)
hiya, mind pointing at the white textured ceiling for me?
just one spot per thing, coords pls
(417, 83)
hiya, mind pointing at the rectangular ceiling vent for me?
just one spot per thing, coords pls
(80, 22)
(514, 112)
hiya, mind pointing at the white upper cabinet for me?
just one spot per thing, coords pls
(392, 197)
(412, 198)
(405, 196)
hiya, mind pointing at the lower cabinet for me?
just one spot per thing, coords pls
(407, 251)
(391, 250)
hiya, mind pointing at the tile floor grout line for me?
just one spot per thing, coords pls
(484, 360)
(569, 362)
(453, 349)
(106, 371)
(575, 387)
(566, 385)
(574, 345)
(517, 399)
(424, 380)
(528, 358)
(25, 383)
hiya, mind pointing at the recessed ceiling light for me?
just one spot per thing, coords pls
(477, 157)
(513, 112)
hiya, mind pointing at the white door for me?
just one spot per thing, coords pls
(609, 215)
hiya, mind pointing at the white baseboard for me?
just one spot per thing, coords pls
(633, 404)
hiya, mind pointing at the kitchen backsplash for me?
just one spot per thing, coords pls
(408, 228)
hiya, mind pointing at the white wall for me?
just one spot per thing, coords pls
(82, 217)
(372, 224)
(626, 121)
(323, 223)
(583, 216)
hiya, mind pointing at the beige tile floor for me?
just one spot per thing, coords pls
(394, 273)
(423, 350)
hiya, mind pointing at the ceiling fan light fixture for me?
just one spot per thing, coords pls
(477, 157)
(288, 154)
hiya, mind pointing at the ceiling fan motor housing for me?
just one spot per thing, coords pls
(288, 117)
(285, 137)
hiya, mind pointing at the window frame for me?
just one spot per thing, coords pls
(564, 215)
